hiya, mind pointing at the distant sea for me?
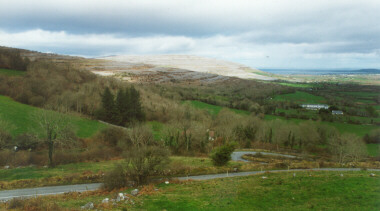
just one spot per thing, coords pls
(322, 71)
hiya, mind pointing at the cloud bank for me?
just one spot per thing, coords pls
(263, 34)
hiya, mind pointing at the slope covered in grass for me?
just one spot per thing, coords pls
(279, 191)
(19, 117)
(9, 72)
(213, 109)
(301, 97)
(359, 130)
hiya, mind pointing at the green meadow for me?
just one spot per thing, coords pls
(213, 109)
(9, 72)
(20, 120)
(301, 97)
(277, 191)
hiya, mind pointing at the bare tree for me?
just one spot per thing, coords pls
(347, 147)
(54, 128)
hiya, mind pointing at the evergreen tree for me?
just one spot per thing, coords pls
(135, 105)
(108, 106)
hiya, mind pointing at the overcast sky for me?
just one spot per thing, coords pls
(258, 33)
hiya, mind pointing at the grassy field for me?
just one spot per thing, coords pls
(61, 170)
(279, 191)
(213, 109)
(298, 85)
(8, 72)
(104, 166)
(359, 130)
(19, 116)
(373, 149)
(301, 97)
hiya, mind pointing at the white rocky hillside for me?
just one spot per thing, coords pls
(193, 63)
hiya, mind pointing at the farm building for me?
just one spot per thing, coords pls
(315, 106)
(336, 112)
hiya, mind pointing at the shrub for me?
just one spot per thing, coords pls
(115, 179)
(16, 203)
(26, 141)
(221, 155)
(145, 161)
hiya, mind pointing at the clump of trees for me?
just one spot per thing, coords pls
(12, 59)
(125, 108)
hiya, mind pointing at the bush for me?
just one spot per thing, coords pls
(145, 161)
(26, 141)
(16, 203)
(115, 179)
(221, 155)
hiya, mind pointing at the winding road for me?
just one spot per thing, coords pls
(236, 156)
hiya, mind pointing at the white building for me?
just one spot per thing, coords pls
(315, 106)
(336, 112)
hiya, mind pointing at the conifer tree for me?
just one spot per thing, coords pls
(108, 105)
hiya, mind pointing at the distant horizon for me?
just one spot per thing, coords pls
(260, 34)
(238, 61)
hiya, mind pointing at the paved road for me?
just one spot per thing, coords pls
(29, 192)
(237, 155)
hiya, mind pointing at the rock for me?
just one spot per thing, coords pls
(372, 175)
(294, 174)
(341, 175)
(156, 189)
(167, 182)
(135, 192)
(264, 177)
(6, 167)
(88, 206)
(120, 197)
(105, 201)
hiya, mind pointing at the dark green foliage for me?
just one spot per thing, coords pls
(136, 112)
(221, 155)
(124, 109)
(115, 179)
(371, 111)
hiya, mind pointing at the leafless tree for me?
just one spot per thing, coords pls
(54, 128)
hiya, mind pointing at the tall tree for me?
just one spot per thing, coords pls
(136, 112)
(55, 129)
(108, 105)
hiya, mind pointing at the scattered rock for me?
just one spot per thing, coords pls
(135, 192)
(264, 177)
(167, 182)
(6, 167)
(105, 201)
(372, 175)
(120, 197)
(45, 166)
(88, 206)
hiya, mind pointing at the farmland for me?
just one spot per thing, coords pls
(20, 118)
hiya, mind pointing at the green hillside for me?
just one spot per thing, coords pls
(19, 117)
